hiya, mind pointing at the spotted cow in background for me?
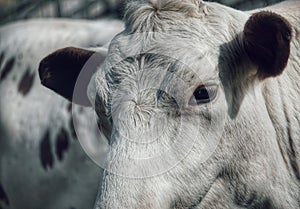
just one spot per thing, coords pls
(42, 164)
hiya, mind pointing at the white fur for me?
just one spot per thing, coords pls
(242, 142)
(252, 166)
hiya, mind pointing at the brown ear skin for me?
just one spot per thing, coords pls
(59, 72)
(267, 38)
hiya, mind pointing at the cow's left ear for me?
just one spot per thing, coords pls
(70, 69)
(266, 41)
(267, 38)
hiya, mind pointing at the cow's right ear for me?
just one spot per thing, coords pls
(68, 69)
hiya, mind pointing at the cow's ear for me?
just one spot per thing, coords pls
(267, 38)
(70, 69)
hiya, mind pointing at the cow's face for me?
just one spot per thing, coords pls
(168, 85)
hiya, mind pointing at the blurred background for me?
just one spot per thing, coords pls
(12, 10)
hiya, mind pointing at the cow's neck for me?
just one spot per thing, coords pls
(282, 96)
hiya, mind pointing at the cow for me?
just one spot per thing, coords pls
(198, 102)
(42, 164)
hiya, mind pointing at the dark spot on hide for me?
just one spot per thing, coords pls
(62, 144)
(26, 83)
(7, 68)
(46, 155)
(3, 196)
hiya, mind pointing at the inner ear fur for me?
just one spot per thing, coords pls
(267, 38)
(59, 72)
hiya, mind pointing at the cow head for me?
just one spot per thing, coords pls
(169, 93)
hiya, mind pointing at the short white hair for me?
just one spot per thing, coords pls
(147, 15)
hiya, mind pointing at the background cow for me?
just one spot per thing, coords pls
(42, 165)
(181, 73)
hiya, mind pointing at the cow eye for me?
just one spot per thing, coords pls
(204, 94)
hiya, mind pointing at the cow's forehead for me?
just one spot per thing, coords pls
(193, 41)
(187, 16)
(159, 66)
(184, 38)
(181, 36)
(163, 49)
